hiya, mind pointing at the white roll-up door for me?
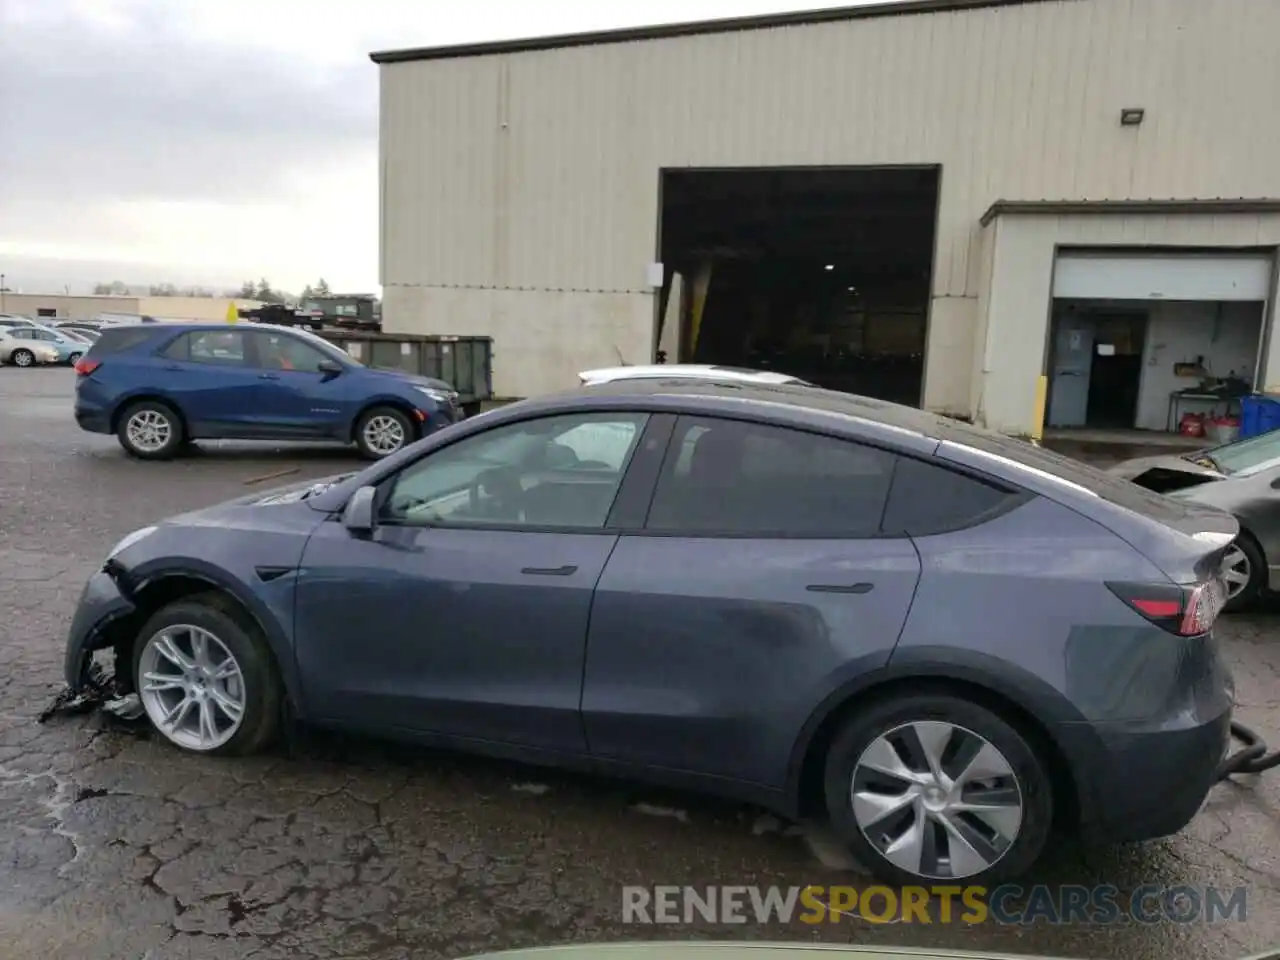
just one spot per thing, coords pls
(1191, 276)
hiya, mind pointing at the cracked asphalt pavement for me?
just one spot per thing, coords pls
(115, 846)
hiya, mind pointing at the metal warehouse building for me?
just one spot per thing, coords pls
(936, 202)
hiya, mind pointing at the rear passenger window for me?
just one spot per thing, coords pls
(932, 499)
(728, 478)
(220, 347)
(118, 339)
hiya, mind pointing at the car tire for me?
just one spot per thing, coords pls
(1244, 558)
(206, 686)
(151, 430)
(377, 429)
(73, 359)
(1002, 845)
(22, 358)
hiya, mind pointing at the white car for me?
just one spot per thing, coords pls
(686, 371)
(24, 353)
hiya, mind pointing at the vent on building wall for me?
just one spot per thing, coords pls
(1132, 116)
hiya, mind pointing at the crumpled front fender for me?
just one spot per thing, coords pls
(102, 602)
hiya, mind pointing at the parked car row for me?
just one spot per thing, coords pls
(25, 342)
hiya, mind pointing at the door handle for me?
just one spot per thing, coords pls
(840, 587)
(173, 366)
(267, 376)
(565, 571)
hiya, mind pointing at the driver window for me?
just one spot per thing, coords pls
(280, 351)
(561, 472)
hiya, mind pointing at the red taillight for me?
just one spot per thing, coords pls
(1157, 609)
(85, 366)
(1187, 611)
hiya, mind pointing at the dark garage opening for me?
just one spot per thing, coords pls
(820, 273)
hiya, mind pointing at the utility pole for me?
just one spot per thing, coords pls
(3, 291)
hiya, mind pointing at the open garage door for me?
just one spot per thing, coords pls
(821, 273)
(1138, 340)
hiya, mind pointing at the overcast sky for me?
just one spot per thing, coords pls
(157, 141)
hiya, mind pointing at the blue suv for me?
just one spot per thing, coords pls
(158, 387)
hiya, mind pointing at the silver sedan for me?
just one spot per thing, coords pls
(25, 353)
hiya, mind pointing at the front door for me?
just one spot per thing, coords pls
(760, 585)
(295, 398)
(465, 613)
(1069, 378)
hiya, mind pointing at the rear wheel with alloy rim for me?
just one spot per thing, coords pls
(1244, 571)
(206, 679)
(73, 358)
(22, 358)
(931, 788)
(150, 430)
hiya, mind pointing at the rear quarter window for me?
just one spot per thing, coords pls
(1113, 490)
(926, 499)
(118, 340)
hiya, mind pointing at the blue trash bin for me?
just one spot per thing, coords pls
(1259, 414)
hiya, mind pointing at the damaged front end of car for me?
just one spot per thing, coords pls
(107, 620)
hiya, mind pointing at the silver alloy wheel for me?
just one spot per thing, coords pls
(1237, 571)
(191, 687)
(73, 358)
(149, 430)
(23, 358)
(384, 435)
(937, 800)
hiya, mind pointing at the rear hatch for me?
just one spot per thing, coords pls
(1186, 540)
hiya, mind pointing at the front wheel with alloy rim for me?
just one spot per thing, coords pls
(22, 358)
(150, 431)
(72, 359)
(206, 678)
(1244, 571)
(383, 431)
(933, 788)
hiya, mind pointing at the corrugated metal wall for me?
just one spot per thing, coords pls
(539, 170)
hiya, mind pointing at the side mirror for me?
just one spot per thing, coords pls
(330, 368)
(357, 516)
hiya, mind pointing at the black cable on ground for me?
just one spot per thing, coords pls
(1251, 758)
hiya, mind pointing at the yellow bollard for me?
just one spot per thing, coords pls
(1037, 417)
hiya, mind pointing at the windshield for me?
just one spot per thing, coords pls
(1244, 455)
(320, 343)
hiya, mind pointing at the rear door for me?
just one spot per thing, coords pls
(758, 585)
(206, 373)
